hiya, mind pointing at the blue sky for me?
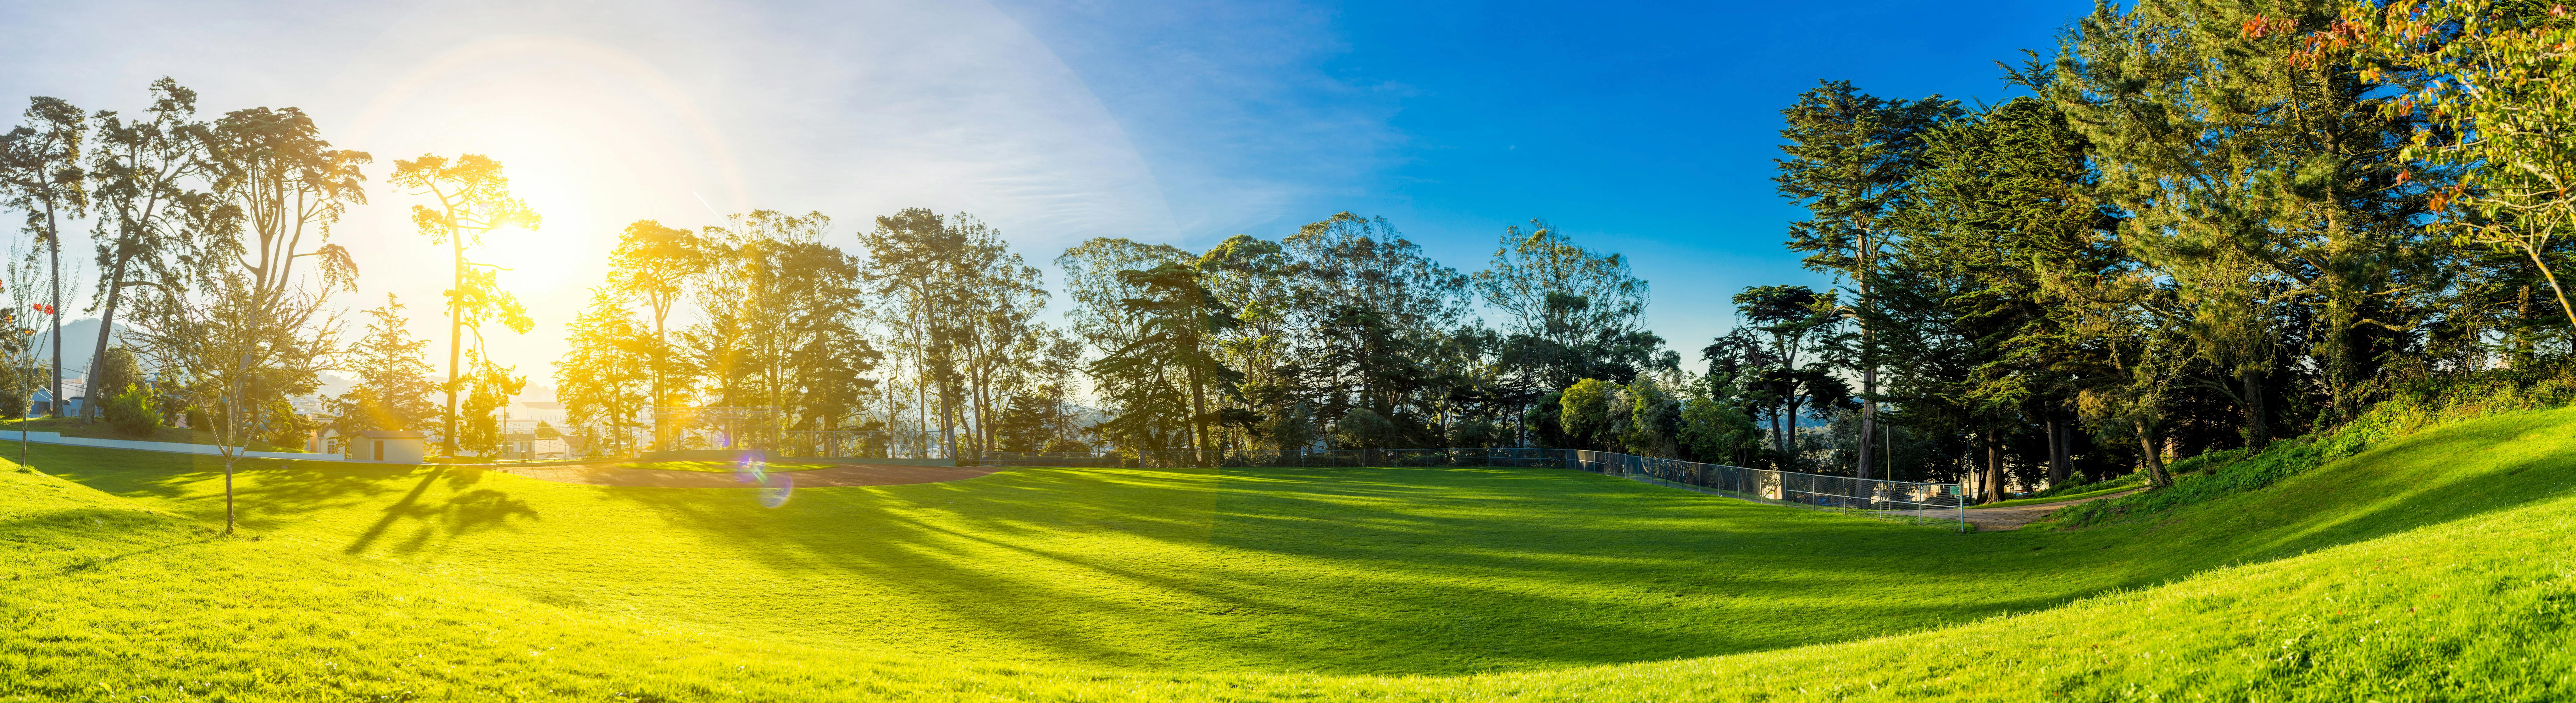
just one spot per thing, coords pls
(1642, 129)
(1646, 129)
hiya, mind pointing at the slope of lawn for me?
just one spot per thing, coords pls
(2431, 567)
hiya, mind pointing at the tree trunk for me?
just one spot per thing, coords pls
(2257, 433)
(1198, 415)
(2155, 457)
(2056, 453)
(1869, 370)
(661, 365)
(106, 324)
(1994, 468)
(56, 284)
(455, 337)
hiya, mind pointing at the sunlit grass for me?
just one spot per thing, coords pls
(2432, 567)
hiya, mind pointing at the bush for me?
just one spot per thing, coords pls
(133, 412)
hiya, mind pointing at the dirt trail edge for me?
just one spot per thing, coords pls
(842, 475)
(2014, 517)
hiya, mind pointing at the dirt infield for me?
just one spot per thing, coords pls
(609, 474)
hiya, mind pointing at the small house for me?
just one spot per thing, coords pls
(389, 446)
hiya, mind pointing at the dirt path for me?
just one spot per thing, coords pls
(609, 474)
(2012, 518)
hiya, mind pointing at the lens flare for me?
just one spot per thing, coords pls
(750, 470)
(774, 492)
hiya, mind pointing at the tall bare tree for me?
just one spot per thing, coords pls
(147, 174)
(40, 175)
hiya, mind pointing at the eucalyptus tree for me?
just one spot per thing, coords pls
(473, 198)
(1851, 156)
(150, 175)
(40, 175)
(251, 328)
(952, 292)
(654, 264)
(1370, 307)
(782, 318)
(998, 334)
(1570, 312)
(1258, 283)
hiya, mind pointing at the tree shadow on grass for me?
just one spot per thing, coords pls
(463, 512)
(1384, 572)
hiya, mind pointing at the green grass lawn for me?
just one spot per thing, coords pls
(721, 467)
(2430, 567)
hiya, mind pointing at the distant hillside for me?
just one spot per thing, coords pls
(80, 340)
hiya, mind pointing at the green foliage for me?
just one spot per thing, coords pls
(1364, 429)
(1583, 412)
(1715, 431)
(391, 370)
(134, 411)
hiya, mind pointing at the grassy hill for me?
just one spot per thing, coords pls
(2431, 566)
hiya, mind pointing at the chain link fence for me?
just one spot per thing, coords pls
(1904, 501)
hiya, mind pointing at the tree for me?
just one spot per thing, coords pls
(1850, 157)
(612, 369)
(40, 175)
(1571, 312)
(250, 328)
(144, 171)
(2266, 175)
(1371, 310)
(1793, 318)
(2001, 219)
(2499, 100)
(654, 264)
(1144, 409)
(487, 389)
(1180, 319)
(392, 372)
(1584, 411)
(473, 198)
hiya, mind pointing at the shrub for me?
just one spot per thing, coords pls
(133, 412)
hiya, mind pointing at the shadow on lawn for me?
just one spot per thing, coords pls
(1424, 570)
(269, 494)
(463, 512)
(1370, 570)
